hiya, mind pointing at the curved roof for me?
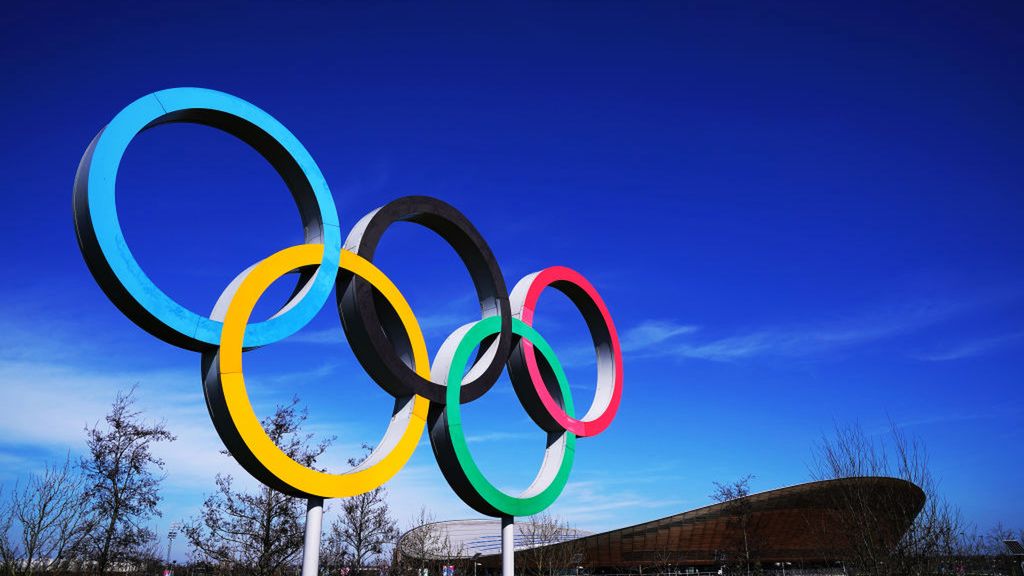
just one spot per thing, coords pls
(467, 538)
(806, 522)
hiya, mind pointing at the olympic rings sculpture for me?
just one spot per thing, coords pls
(378, 322)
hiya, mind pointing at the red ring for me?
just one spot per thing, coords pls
(586, 299)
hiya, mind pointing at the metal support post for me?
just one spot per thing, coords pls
(311, 549)
(508, 543)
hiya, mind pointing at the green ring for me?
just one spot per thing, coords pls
(510, 505)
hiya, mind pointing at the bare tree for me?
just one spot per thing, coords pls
(995, 538)
(52, 517)
(549, 545)
(745, 551)
(8, 552)
(260, 532)
(121, 483)
(424, 547)
(998, 558)
(359, 537)
(869, 513)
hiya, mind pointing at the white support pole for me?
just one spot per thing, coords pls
(508, 544)
(311, 549)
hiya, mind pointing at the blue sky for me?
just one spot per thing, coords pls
(799, 214)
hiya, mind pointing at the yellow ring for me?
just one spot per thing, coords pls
(398, 445)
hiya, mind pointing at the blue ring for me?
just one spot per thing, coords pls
(110, 259)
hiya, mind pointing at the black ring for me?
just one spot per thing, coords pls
(372, 327)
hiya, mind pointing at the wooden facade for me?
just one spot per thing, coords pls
(808, 524)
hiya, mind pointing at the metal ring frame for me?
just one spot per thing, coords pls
(380, 351)
(377, 320)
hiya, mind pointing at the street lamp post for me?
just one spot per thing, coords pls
(172, 533)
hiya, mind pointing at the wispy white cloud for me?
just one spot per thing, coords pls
(653, 332)
(315, 373)
(669, 339)
(333, 335)
(641, 338)
(443, 322)
(49, 400)
(601, 504)
(496, 437)
(726, 349)
(972, 348)
(49, 406)
(932, 420)
(660, 338)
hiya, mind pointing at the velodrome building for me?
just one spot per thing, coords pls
(797, 526)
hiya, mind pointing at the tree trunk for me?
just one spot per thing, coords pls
(104, 558)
